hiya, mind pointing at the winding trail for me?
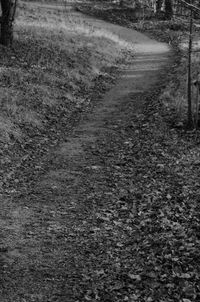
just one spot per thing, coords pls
(58, 232)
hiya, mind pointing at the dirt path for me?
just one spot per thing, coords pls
(57, 240)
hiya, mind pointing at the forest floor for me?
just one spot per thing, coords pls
(111, 211)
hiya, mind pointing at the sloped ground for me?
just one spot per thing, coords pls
(58, 58)
(115, 216)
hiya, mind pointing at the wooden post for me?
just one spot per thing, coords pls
(189, 91)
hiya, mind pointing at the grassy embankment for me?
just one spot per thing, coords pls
(47, 79)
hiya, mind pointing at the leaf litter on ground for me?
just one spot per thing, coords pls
(141, 241)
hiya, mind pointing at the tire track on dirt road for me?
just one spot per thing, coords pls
(51, 234)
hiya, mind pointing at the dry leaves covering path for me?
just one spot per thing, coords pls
(99, 225)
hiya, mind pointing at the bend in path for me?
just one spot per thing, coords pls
(50, 235)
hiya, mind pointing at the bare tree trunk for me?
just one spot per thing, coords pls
(6, 33)
(8, 8)
(189, 92)
(168, 9)
(121, 3)
(158, 6)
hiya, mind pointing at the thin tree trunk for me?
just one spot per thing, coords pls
(121, 3)
(189, 92)
(158, 6)
(168, 9)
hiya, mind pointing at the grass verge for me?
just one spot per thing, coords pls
(47, 78)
